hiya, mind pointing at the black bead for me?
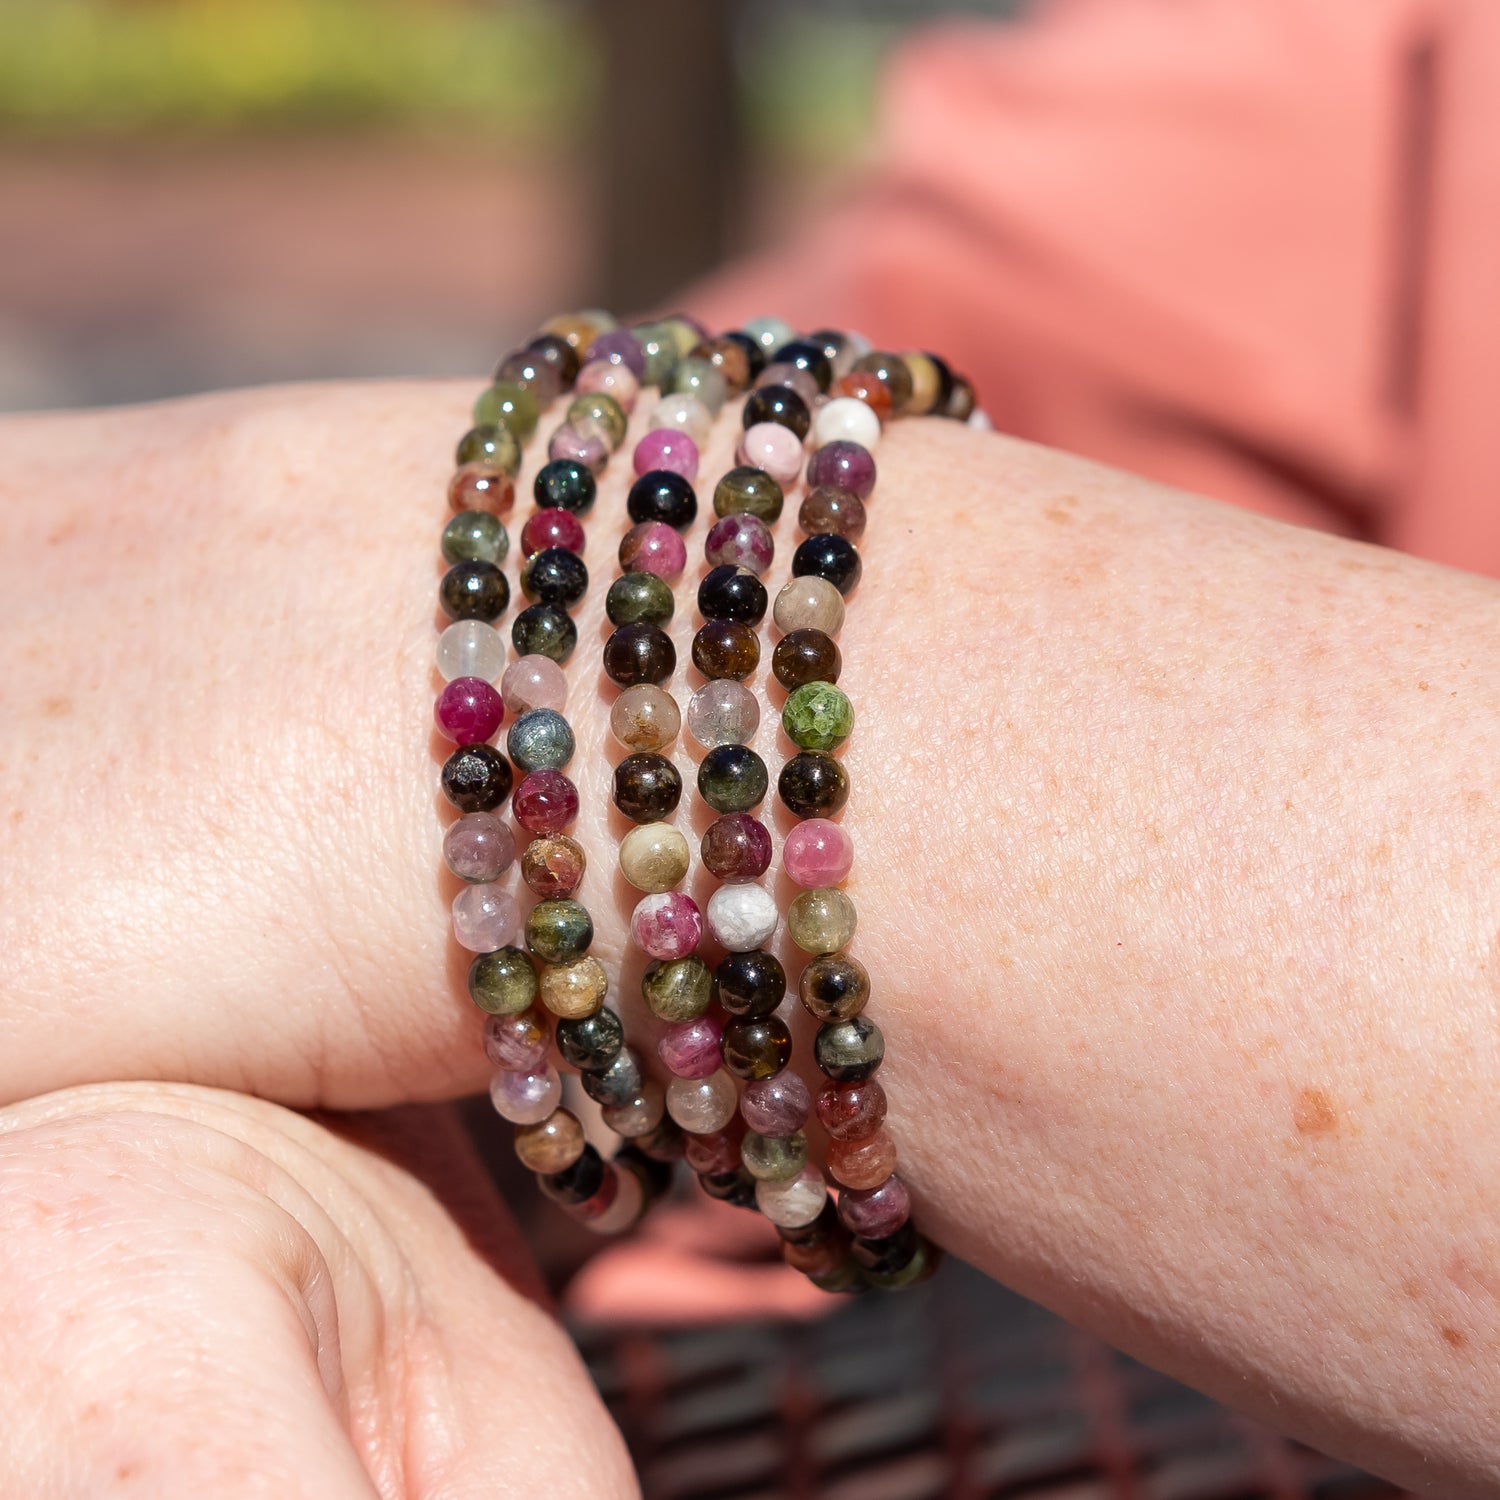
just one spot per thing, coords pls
(566, 483)
(618, 1082)
(753, 352)
(731, 593)
(756, 1046)
(778, 403)
(662, 495)
(813, 785)
(945, 383)
(544, 630)
(732, 779)
(558, 353)
(656, 1176)
(806, 656)
(477, 778)
(826, 1225)
(474, 591)
(647, 787)
(832, 343)
(849, 1051)
(665, 1143)
(828, 556)
(736, 1187)
(805, 354)
(639, 653)
(639, 599)
(578, 1183)
(750, 984)
(891, 1252)
(555, 576)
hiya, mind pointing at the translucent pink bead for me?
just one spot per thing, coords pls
(534, 682)
(691, 1049)
(668, 925)
(800, 381)
(584, 443)
(875, 1212)
(653, 547)
(485, 918)
(518, 1043)
(818, 853)
(600, 378)
(745, 541)
(723, 712)
(551, 527)
(777, 1105)
(468, 710)
(774, 448)
(848, 465)
(666, 449)
(545, 801)
(479, 848)
(525, 1098)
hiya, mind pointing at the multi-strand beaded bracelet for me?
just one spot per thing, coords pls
(733, 1106)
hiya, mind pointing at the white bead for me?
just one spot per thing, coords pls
(743, 917)
(470, 648)
(846, 419)
(703, 1105)
(794, 1204)
(683, 413)
(979, 420)
(770, 333)
(525, 1098)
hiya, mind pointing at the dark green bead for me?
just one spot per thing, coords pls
(639, 653)
(503, 982)
(618, 1082)
(779, 404)
(474, 591)
(492, 444)
(732, 779)
(639, 599)
(475, 536)
(544, 630)
(756, 1046)
(578, 1183)
(812, 785)
(506, 404)
(748, 491)
(602, 408)
(806, 656)
(590, 1042)
(751, 983)
(477, 778)
(726, 648)
(849, 1051)
(677, 989)
(555, 576)
(834, 987)
(817, 716)
(924, 1261)
(541, 737)
(559, 931)
(566, 484)
(647, 787)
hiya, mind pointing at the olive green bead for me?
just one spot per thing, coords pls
(639, 599)
(821, 921)
(732, 779)
(659, 345)
(491, 444)
(698, 377)
(503, 982)
(559, 931)
(817, 716)
(756, 1046)
(475, 536)
(677, 989)
(506, 404)
(602, 408)
(849, 1051)
(773, 1158)
(748, 491)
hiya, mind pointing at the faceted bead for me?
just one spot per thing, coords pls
(559, 931)
(481, 487)
(551, 1144)
(793, 1203)
(470, 648)
(552, 527)
(599, 377)
(862, 1164)
(776, 1106)
(476, 778)
(468, 711)
(636, 654)
(690, 1049)
(475, 536)
(618, 1081)
(702, 1105)
(565, 484)
(817, 853)
(773, 1158)
(741, 541)
(546, 801)
(485, 918)
(926, 382)
(553, 865)
(729, 593)
(748, 491)
(817, 716)
(730, 359)
(832, 557)
(821, 921)
(582, 444)
(810, 603)
(533, 682)
(831, 510)
(732, 779)
(503, 983)
(712, 1152)
(893, 371)
(779, 404)
(555, 575)
(699, 378)
(541, 737)
(509, 405)
(619, 346)
(479, 848)
(807, 355)
(736, 848)
(770, 333)
(834, 987)
(594, 407)
(573, 990)
(723, 712)
(666, 449)
(888, 1253)
(544, 630)
(639, 1115)
(638, 599)
(774, 448)
(578, 1183)
(558, 353)
(742, 917)
(645, 717)
(861, 385)
(662, 495)
(474, 591)
(654, 857)
(873, 1213)
(647, 787)
(677, 990)
(736, 1188)
(591, 1043)
(525, 1098)
(518, 1042)
(750, 983)
(783, 374)
(844, 420)
(848, 1051)
(756, 1046)
(525, 369)
(666, 925)
(812, 785)
(806, 656)
(726, 649)
(682, 416)
(492, 445)
(653, 547)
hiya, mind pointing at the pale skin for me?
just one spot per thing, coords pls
(1175, 871)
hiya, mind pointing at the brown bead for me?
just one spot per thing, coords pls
(574, 990)
(726, 648)
(637, 654)
(719, 1152)
(756, 1046)
(553, 865)
(866, 386)
(831, 509)
(863, 1163)
(806, 656)
(894, 371)
(817, 1258)
(481, 487)
(729, 359)
(834, 987)
(551, 1144)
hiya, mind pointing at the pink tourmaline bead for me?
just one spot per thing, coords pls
(818, 853)
(468, 710)
(585, 445)
(525, 1098)
(518, 1043)
(691, 1049)
(534, 682)
(848, 465)
(666, 448)
(653, 547)
(668, 925)
(545, 801)
(774, 448)
(479, 848)
(777, 1105)
(745, 541)
(873, 1213)
(551, 527)
(600, 378)
(485, 918)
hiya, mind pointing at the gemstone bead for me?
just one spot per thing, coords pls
(662, 495)
(544, 630)
(690, 1049)
(654, 857)
(756, 1046)
(742, 917)
(545, 801)
(806, 656)
(645, 717)
(653, 547)
(778, 1105)
(873, 1213)
(926, 382)
(702, 1105)
(821, 921)
(779, 404)
(593, 407)
(832, 557)
(533, 682)
(478, 848)
(636, 654)
(525, 1098)
(682, 415)
(809, 603)
(740, 541)
(508, 405)
(729, 593)
(586, 444)
(677, 990)
(559, 931)
(591, 1043)
(817, 1259)
(474, 591)
(961, 403)
(525, 369)
(889, 1252)
(504, 982)
(817, 853)
(726, 649)
(862, 1164)
(518, 1042)
(476, 778)
(623, 1211)
(773, 1158)
(573, 990)
(553, 865)
(834, 987)
(732, 779)
(736, 1188)
(736, 848)
(667, 924)
(559, 354)
(807, 355)
(748, 491)
(551, 1144)
(871, 389)
(817, 716)
(638, 599)
(892, 370)
(665, 448)
(599, 377)
(723, 712)
(712, 1152)
(555, 576)
(750, 983)
(618, 1081)
(647, 787)
(774, 448)
(475, 536)
(770, 333)
(541, 737)
(730, 359)
(485, 918)
(660, 348)
(701, 379)
(492, 445)
(565, 484)
(470, 648)
(848, 1051)
(468, 710)
(812, 785)
(481, 487)
(552, 527)
(795, 1202)
(638, 1115)
(577, 1184)
(844, 420)
(780, 373)
(619, 346)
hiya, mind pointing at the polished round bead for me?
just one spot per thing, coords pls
(821, 921)
(509, 405)
(819, 1259)
(665, 449)
(541, 737)
(817, 716)
(599, 377)
(581, 443)
(525, 1098)
(848, 1051)
(862, 1164)
(683, 414)
(559, 931)
(730, 358)
(807, 355)
(834, 987)
(793, 1203)
(666, 925)
(893, 371)
(729, 593)
(736, 848)
(740, 541)
(873, 1213)
(732, 779)
(475, 536)
(756, 1046)
(618, 1081)
(618, 346)
(817, 853)
(659, 345)
(779, 404)
(742, 917)
(723, 712)
(778, 1105)
(544, 630)
(750, 983)
(485, 918)
(832, 557)
(558, 353)
(783, 374)
(605, 411)
(887, 1253)
(468, 711)
(654, 857)
(550, 1145)
(638, 1115)
(748, 491)
(690, 1049)
(844, 420)
(470, 648)
(518, 1042)
(773, 1158)
(591, 1043)
(774, 448)
(481, 487)
(504, 982)
(701, 379)
(702, 1105)
(636, 654)
(476, 778)
(653, 547)
(573, 990)
(638, 599)
(533, 682)
(479, 848)
(809, 603)
(665, 496)
(575, 1186)
(549, 528)
(736, 1188)
(923, 1265)
(492, 445)
(861, 385)
(565, 484)
(715, 1157)
(770, 333)
(555, 576)
(545, 801)
(523, 368)
(553, 865)
(812, 785)
(647, 787)
(806, 656)
(961, 402)
(678, 989)
(474, 591)
(645, 717)
(623, 1211)
(926, 382)
(726, 649)
(830, 510)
